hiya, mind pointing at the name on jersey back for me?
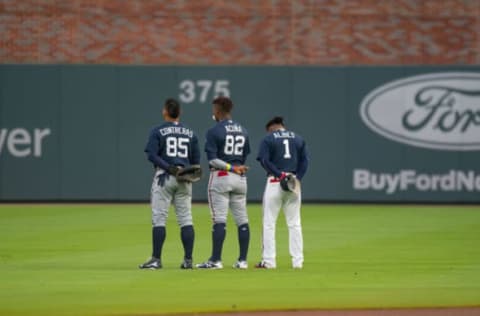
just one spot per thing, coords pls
(284, 134)
(176, 130)
(233, 128)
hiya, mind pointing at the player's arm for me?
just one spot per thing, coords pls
(246, 148)
(302, 161)
(218, 164)
(153, 148)
(195, 152)
(222, 165)
(211, 149)
(264, 159)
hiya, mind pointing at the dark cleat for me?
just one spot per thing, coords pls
(187, 264)
(152, 263)
(263, 265)
(210, 265)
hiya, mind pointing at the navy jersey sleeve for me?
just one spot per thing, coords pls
(153, 148)
(246, 149)
(211, 147)
(265, 159)
(303, 160)
(195, 155)
(262, 150)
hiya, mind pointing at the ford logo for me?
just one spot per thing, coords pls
(437, 111)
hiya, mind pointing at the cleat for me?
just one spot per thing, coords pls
(263, 265)
(240, 265)
(210, 265)
(152, 263)
(187, 264)
(297, 264)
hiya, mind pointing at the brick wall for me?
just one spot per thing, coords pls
(281, 32)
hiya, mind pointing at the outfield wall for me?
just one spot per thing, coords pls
(374, 133)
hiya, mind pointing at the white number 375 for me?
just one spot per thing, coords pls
(199, 90)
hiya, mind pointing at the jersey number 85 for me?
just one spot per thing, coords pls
(177, 147)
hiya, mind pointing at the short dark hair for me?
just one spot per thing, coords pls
(224, 103)
(275, 120)
(172, 107)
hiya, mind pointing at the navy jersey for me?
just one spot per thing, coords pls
(228, 141)
(172, 144)
(283, 151)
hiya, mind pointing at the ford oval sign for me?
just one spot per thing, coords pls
(438, 111)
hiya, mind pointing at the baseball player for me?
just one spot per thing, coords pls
(171, 147)
(283, 154)
(227, 146)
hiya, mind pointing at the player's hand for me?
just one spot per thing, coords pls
(284, 182)
(173, 170)
(241, 170)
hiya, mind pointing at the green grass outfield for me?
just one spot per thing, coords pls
(82, 260)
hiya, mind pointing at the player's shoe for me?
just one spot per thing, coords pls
(152, 263)
(263, 265)
(297, 263)
(187, 264)
(240, 265)
(210, 265)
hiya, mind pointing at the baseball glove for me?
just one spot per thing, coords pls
(189, 174)
(290, 183)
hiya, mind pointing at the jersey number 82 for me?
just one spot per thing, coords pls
(234, 145)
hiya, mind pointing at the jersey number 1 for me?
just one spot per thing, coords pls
(287, 149)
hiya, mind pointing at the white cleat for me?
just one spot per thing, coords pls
(240, 265)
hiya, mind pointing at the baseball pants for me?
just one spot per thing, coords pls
(274, 198)
(178, 193)
(227, 190)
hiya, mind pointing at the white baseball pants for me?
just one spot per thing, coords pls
(274, 198)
